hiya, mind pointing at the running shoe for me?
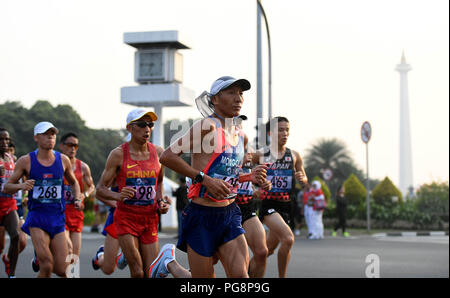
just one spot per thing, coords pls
(121, 262)
(333, 234)
(95, 265)
(346, 234)
(35, 263)
(7, 264)
(158, 269)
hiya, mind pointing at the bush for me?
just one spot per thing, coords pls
(89, 218)
(355, 192)
(433, 199)
(384, 192)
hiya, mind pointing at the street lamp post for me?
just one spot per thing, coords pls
(259, 101)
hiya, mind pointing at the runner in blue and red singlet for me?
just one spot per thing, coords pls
(45, 171)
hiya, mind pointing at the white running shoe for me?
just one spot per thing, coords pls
(158, 269)
(121, 262)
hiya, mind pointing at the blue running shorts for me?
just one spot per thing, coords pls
(206, 228)
(50, 223)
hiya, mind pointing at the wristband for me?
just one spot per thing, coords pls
(245, 178)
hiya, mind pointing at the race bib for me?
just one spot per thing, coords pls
(245, 189)
(47, 191)
(145, 191)
(2, 184)
(281, 180)
(233, 181)
(68, 196)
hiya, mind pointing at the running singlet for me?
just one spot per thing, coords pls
(6, 169)
(245, 189)
(224, 164)
(142, 175)
(68, 195)
(280, 173)
(48, 190)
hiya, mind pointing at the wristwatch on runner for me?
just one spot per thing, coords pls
(199, 178)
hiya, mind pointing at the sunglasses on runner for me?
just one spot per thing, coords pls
(71, 145)
(143, 124)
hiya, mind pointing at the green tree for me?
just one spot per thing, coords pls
(95, 144)
(330, 154)
(354, 190)
(384, 193)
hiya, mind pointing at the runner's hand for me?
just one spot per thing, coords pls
(266, 185)
(301, 178)
(79, 205)
(164, 205)
(217, 187)
(27, 185)
(127, 192)
(259, 174)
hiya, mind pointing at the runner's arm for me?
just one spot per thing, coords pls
(163, 204)
(87, 179)
(192, 142)
(72, 180)
(300, 173)
(21, 169)
(112, 168)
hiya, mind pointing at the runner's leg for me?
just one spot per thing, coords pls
(234, 257)
(130, 248)
(201, 267)
(256, 239)
(60, 251)
(2, 238)
(149, 253)
(23, 237)
(278, 227)
(41, 244)
(11, 222)
(76, 242)
(107, 261)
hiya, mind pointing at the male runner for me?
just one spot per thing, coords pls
(107, 256)
(74, 214)
(275, 208)
(8, 206)
(211, 223)
(45, 171)
(254, 230)
(135, 167)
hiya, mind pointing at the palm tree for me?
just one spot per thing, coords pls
(330, 154)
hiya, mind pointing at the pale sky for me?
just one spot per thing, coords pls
(333, 65)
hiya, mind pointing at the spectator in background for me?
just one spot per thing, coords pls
(308, 202)
(181, 194)
(341, 209)
(101, 212)
(319, 206)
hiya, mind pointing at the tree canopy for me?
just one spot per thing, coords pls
(95, 144)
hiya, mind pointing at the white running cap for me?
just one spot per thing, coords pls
(138, 113)
(225, 82)
(42, 127)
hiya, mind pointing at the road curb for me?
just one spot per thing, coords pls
(412, 234)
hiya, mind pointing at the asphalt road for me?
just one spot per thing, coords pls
(388, 257)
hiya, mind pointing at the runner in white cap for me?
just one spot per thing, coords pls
(45, 171)
(211, 223)
(134, 167)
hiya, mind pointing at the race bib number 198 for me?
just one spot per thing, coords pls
(145, 191)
